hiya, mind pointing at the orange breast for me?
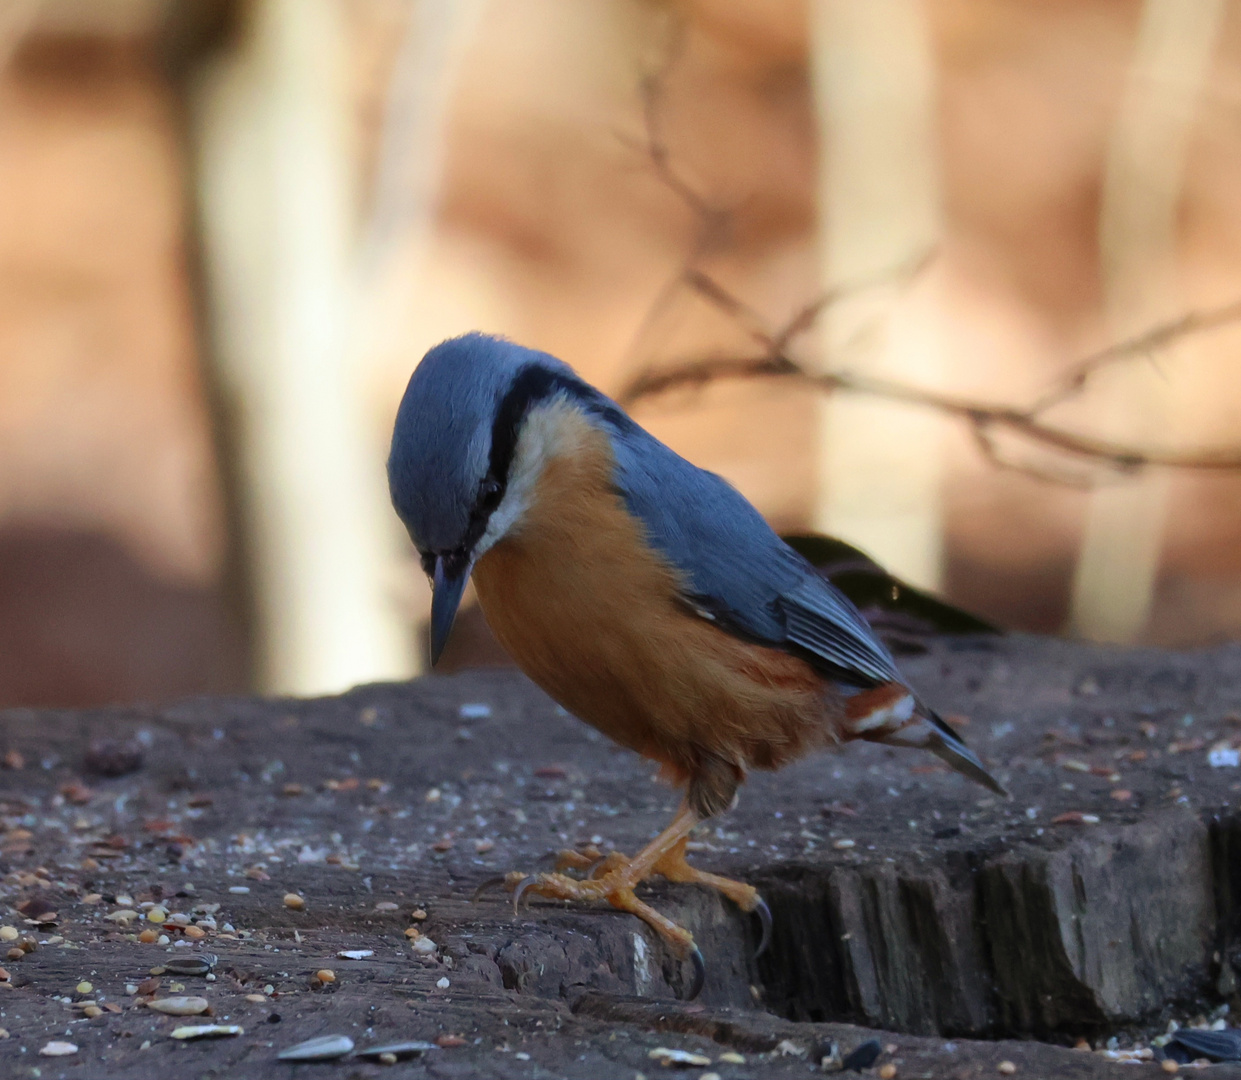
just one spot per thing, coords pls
(590, 612)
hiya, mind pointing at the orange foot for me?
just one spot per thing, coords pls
(614, 877)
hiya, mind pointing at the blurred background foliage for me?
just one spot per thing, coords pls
(230, 228)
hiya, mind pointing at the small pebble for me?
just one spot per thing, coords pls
(424, 946)
(239, 890)
(1006, 1068)
(206, 1031)
(324, 1048)
(730, 1057)
(293, 901)
(442, 982)
(56, 1048)
(180, 1006)
(355, 954)
(325, 975)
(84, 987)
(387, 905)
(16, 954)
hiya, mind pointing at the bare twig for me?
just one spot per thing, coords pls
(984, 419)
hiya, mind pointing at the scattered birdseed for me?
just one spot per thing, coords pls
(424, 946)
(4, 975)
(324, 1048)
(180, 1006)
(355, 954)
(325, 975)
(16, 954)
(474, 710)
(413, 932)
(194, 932)
(8, 933)
(156, 915)
(258, 999)
(124, 916)
(1007, 1068)
(844, 845)
(397, 1051)
(442, 982)
(887, 1072)
(387, 905)
(84, 987)
(206, 1031)
(293, 901)
(148, 937)
(92, 1011)
(418, 914)
(1169, 1066)
(56, 1048)
(239, 890)
(449, 1042)
(669, 1057)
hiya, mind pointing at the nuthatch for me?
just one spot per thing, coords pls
(645, 595)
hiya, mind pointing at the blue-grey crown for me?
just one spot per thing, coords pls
(455, 434)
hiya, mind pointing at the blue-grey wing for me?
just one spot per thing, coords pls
(738, 572)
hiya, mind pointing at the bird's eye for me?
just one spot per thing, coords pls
(490, 492)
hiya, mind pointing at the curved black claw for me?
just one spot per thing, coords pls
(490, 883)
(520, 891)
(700, 975)
(764, 916)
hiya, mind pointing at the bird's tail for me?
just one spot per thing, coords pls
(890, 714)
(948, 745)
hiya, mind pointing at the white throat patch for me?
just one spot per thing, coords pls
(549, 431)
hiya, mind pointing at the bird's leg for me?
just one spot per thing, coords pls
(674, 867)
(617, 884)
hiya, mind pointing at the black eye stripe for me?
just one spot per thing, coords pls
(533, 385)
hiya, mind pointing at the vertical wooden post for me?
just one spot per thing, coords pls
(1117, 567)
(879, 463)
(278, 207)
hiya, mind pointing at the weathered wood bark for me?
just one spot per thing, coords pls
(904, 899)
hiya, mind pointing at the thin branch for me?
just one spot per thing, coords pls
(984, 419)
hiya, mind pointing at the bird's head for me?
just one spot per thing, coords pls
(457, 477)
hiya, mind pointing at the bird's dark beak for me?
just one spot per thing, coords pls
(445, 599)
